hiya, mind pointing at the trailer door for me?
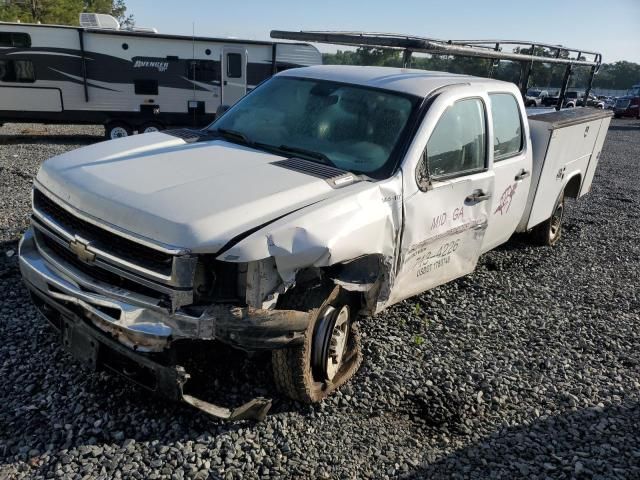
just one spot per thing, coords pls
(234, 74)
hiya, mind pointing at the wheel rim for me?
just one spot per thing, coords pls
(119, 132)
(556, 222)
(150, 129)
(331, 341)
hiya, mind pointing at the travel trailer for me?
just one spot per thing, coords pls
(130, 80)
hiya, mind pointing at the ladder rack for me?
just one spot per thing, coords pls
(489, 49)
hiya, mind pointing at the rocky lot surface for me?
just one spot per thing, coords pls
(528, 368)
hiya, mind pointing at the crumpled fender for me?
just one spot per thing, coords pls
(364, 220)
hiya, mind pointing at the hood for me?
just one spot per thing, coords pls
(197, 196)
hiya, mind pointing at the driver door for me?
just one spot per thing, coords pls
(445, 218)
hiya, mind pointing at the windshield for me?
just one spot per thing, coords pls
(634, 91)
(352, 127)
(534, 93)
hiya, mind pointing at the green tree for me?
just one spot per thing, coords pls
(62, 12)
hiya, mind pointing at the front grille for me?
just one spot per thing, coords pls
(105, 240)
(98, 273)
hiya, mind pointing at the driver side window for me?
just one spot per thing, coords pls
(458, 143)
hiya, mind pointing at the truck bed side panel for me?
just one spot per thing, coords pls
(563, 146)
(595, 157)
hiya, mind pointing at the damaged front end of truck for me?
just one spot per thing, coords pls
(295, 284)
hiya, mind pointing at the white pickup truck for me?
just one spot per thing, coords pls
(326, 193)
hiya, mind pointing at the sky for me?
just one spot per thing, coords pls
(611, 27)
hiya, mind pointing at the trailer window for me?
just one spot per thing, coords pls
(202, 71)
(20, 71)
(234, 65)
(457, 145)
(15, 39)
(507, 126)
(146, 87)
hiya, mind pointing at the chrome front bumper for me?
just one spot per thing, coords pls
(135, 320)
(142, 324)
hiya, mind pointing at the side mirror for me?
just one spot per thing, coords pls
(221, 109)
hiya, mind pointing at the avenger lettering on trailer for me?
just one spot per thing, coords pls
(159, 64)
(285, 222)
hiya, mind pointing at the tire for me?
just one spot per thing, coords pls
(549, 232)
(150, 127)
(115, 130)
(307, 372)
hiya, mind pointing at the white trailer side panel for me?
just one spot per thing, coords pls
(298, 54)
(31, 99)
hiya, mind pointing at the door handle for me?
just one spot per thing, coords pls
(478, 196)
(522, 175)
(224, 83)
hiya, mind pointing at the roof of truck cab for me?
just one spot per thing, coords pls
(407, 80)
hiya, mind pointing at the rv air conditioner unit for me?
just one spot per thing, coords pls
(98, 20)
(143, 29)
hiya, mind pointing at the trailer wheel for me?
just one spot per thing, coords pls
(115, 130)
(548, 232)
(150, 127)
(329, 356)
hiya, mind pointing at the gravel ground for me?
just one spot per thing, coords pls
(528, 368)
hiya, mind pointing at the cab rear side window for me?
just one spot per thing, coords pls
(458, 144)
(508, 139)
(15, 39)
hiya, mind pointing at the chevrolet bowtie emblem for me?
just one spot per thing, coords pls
(81, 251)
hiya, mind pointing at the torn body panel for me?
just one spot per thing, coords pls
(364, 220)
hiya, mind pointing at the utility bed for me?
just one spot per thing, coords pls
(564, 142)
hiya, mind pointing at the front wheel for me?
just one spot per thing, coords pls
(549, 232)
(329, 356)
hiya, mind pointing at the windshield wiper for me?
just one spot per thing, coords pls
(227, 132)
(307, 153)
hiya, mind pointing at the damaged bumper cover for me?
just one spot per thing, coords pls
(95, 318)
(140, 323)
(96, 350)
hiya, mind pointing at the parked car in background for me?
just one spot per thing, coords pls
(609, 102)
(575, 98)
(629, 105)
(592, 101)
(550, 100)
(535, 97)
